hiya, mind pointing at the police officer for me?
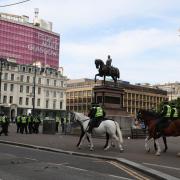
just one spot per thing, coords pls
(36, 121)
(165, 116)
(174, 112)
(18, 123)
(4, 124)
(96, 115)
(24, 124)
(30, 123)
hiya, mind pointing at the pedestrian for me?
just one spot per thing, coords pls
(18, 123)
(57, 123)
(24, 124)
(4, 124)
(30, 123)
(62, 124)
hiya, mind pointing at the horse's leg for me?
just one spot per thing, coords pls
(91, 142)
(165, 143)
(158, 152)
(147, 143)
(155, 147)
(80, 138)
(118, 142)
(107, 141)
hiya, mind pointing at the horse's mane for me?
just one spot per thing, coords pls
(80, 116)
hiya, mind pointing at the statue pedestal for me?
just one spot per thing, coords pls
(111, 99)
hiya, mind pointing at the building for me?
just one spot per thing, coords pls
(26, 42)
(79, 96)
(173, 89)
(22, 84)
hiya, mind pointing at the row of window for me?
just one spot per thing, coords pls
(28, 79)
(27, 88)
(27, 102)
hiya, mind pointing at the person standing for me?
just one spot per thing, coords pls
(62, 124)
(30, 123)
(37, 122)
(4, 124)
(24, 124)
(18, 124)
(57, 123)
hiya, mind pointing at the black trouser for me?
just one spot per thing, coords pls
(36, 127)
(24, 127)
(93, 123)
(18, 127)
(30, 126)
(57, 125)
(161, 123)
(4, 129)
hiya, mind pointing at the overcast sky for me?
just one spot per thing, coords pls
(142, 36)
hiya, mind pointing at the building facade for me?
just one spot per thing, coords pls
(79, 95)
(18, 82)
(173, 89)
(27, 42)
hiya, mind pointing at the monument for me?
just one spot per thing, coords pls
(109, 95)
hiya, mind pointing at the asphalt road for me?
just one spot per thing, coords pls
(19, 163)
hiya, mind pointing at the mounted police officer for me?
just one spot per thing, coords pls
(4, 124)
(96, 115)
(174, 112)
(165, 116)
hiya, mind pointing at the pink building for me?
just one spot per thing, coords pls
(28, 42)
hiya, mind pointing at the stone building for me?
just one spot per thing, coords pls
(19, 90)
(79, 96)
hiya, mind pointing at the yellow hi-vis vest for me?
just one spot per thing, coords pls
(99, 112)
(168, 113)
(19, 119)
(23, 120)
(175, 112)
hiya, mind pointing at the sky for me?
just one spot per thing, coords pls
(142, 36)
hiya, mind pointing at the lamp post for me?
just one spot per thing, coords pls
(34, 91)
(2, 62)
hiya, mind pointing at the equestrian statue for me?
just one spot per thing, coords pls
(107, 69)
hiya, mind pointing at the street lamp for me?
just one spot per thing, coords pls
(34, 90)
(3, 61)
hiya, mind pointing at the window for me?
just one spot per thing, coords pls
(12, 77)
(11, 87)
(61, 94)
(38, 102)
(47, 82)
(54, 82)
(28, 79)
(27, 89)
(20, 100)
(27, 101)
(21, 88)
(22, 78)
(39, 90)
(6, 76)
(5, 86)
(47, 93)
(61, 83)
(4, 99)
(11, 99)
(39, 80)
(54, 104)
(61, 104)
(47, 103)
(54, 94)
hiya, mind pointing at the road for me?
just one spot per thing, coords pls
(19, 163)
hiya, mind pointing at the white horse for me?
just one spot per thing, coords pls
(108, 127)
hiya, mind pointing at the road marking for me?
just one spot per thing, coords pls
(119, 177)
(129, 171)
(167, 167)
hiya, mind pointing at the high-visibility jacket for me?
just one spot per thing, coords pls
(18, 119)
(29, 119)
(23, 120)
(175, 115)
(168, 113)
(99, 112)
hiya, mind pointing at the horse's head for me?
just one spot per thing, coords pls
(99, 63)
(79, 117)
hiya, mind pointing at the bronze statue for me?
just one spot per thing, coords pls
(106, 70)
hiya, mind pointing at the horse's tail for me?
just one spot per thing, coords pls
(118, 131)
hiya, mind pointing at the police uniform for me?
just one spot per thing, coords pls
(4, 124)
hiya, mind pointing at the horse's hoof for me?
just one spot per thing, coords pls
(79, 147)
(105, 149)
(91, 149)
(148, 150)
(178, 154)
(158, 154)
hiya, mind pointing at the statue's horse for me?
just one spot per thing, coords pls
(108, 126)
(150, 120)
(106, 71)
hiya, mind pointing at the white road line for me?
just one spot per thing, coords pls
(167, 167)
(120, 177)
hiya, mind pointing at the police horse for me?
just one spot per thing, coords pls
(106, 71)
(109, 127)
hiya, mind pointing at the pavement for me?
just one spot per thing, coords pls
(134, 154)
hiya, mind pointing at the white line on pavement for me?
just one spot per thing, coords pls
(167, 167)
